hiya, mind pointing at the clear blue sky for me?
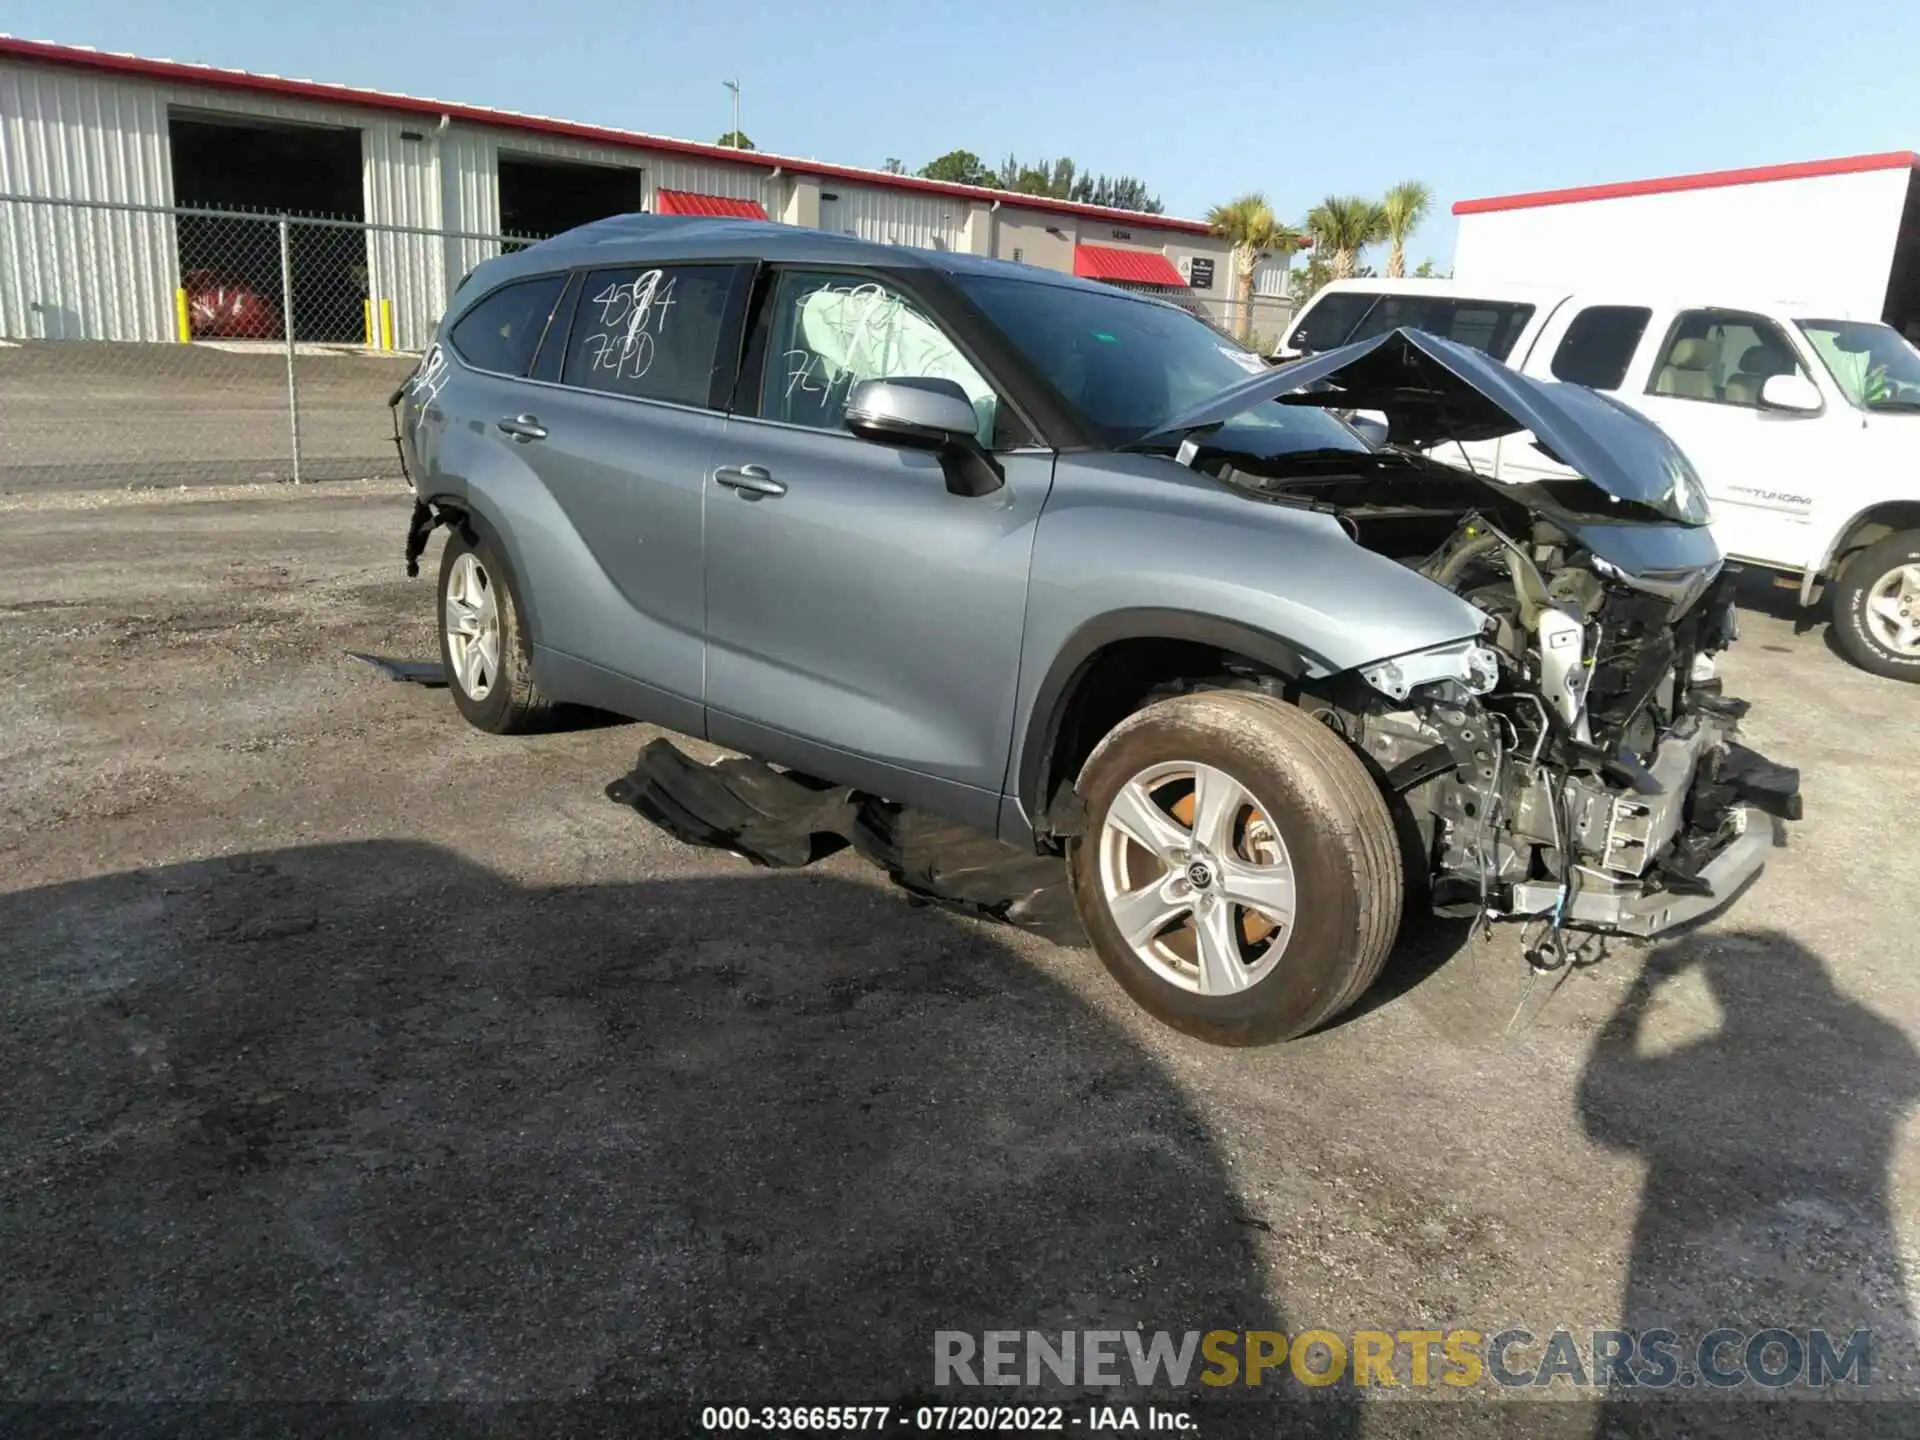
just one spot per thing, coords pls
(1202, 101)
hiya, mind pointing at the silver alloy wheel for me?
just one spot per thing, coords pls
(1893, 610)
(1196, 878)
(473, 626)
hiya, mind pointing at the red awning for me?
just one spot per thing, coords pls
(688, 202)
(1128, 267)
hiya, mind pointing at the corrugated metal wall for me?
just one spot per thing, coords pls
(67, 273)
(68, 134)
(894, 217)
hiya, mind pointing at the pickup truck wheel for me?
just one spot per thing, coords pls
(483, 643)
(1239, 875)
(1876, 608)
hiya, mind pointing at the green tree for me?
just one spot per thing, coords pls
(958, 167)
(1248, 225)
(1405, 206)
(1427, 270)
(735, 140)
(1343, 226)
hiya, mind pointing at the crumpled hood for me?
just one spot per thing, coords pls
(1433, 391)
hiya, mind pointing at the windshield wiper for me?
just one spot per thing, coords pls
(1906, 406)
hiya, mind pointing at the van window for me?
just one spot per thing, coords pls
(501, 332)
(650, 332)
(1599, 344)
(1722, 357)
(1490, 326)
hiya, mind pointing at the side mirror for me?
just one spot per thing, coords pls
(911, 413)
(1371, 426)
(1795, 393)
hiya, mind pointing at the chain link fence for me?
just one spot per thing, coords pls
(159, 345)
(151, 345)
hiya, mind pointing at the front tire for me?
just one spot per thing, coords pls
(1240, 874)
(484, 645)
(1876, 608)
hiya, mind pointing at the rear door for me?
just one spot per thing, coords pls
(862, 622)
(619, 424)
(1591, 341)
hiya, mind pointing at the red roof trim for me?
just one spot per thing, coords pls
(1705, 180)
(178, 73)
(689, 202)
(1135, 267)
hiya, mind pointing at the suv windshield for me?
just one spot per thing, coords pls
(1128, 366)
(1873, 364)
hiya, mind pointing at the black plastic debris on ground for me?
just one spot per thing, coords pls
(784, 820)
(430, 673)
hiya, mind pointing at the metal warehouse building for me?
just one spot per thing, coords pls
(112, 168)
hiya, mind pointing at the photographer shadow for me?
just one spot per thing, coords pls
(1768, 1145)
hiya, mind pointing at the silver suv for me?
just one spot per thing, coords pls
(1066, 565)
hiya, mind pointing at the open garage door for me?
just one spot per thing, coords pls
(540, 197)
(255, 167)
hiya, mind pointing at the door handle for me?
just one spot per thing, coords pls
(522, 428)
(752, 481)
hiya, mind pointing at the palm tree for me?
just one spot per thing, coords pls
(1248, 225)
(1344, 225)
(1405, 206)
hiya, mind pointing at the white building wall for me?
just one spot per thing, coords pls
(895, 217)
(1737, 239)
(68, 273)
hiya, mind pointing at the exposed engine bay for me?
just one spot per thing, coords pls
(1576, 764)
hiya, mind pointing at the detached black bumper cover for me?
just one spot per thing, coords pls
(779, 819)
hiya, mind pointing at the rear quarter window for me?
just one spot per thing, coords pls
(503, 330)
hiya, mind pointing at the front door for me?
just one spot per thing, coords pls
(1762, 468)
(863, 623)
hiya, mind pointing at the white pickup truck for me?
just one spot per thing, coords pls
(1804, 425)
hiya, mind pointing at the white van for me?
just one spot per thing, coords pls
(1804, 425)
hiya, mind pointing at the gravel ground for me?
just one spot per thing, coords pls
(91, 414)
(354, 1054)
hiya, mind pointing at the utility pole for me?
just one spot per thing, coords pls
(734, 86)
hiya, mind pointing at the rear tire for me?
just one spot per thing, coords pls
(1300, 801)
(483, 641)
(1876, 608)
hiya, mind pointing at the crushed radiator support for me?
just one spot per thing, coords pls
(783, 820)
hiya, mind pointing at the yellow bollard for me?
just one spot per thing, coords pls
(181, 318)
(366, 310)
(386, 324)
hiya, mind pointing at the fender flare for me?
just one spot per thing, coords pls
(1034, 780)
(459, 512)
(1811, 575)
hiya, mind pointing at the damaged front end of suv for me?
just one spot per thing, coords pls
(1575, 764)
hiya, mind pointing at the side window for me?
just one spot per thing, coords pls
(1489, 326)
(827, 332)
(503, 330)
(652, 332)
(1599, 344)
(1722, 357)
(1327, 324)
